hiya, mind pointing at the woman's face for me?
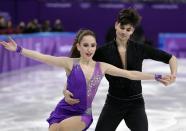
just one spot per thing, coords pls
(123, 32)
(87, 47)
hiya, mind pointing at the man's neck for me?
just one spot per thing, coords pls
(121, 43)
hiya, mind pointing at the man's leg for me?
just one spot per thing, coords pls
(109, 118)
(136, 119)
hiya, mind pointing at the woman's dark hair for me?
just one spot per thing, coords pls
(74, 53)
(128, 16)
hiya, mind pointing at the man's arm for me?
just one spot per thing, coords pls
(173, 68)
(160, 55)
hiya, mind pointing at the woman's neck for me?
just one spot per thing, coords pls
(85, 61)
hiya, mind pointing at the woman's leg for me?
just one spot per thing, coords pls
(54, 127)
(73, 123)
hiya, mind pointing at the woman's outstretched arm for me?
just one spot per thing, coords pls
(11, 45)
(133, 75)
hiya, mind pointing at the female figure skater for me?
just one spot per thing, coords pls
(83, 77)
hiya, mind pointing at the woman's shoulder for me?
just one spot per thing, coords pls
(102, 64)
(71, 62)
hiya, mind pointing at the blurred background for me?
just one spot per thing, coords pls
(30, 90)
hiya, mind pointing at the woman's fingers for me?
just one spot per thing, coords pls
(165, 82)
(168, 77)
(11, 45)
(4, 43)
(11, 41)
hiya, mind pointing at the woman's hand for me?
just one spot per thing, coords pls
(166, 80)
(172, 79)
(10, 45)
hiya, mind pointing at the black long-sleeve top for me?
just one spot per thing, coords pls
(124, 88)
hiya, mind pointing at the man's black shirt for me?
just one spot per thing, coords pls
(135, 54)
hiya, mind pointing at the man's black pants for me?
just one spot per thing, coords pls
(115, 110)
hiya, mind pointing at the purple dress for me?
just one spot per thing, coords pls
(82, 90)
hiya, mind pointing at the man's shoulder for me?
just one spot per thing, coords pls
(107, 45)
(103, 51)
(136, 45)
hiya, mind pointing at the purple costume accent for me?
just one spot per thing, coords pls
(82, 90)
(19, 49)
(157, 77)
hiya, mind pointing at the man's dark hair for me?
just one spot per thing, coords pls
(129, 16)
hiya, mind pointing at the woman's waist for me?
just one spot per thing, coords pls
(79, 107)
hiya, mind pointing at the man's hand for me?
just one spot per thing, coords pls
(172, 79)
(68, 98)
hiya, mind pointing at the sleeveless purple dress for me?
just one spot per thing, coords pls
(82, 90)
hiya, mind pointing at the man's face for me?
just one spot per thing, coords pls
(123, 32)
